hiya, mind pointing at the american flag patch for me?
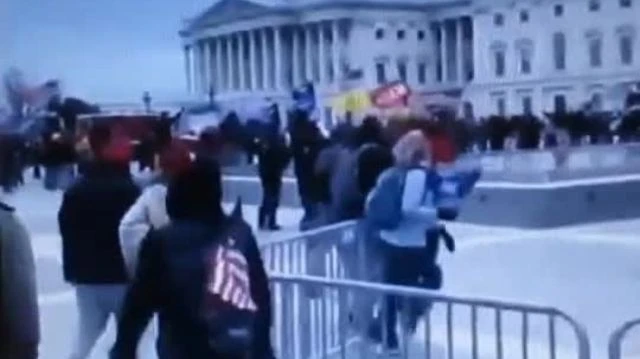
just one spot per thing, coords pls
(229, 277)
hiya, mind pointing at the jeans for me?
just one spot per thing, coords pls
(58, 177)
(96, 303)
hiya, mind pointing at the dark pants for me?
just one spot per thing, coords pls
(271, 188)
(413, 267)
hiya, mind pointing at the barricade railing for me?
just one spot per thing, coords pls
(617, 339)
(319, 252)
(332, 318)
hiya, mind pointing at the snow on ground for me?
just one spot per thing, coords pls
(590, 271)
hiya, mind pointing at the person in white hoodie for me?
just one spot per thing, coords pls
(149, 211)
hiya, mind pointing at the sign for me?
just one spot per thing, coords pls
(304, 98)
(395, 94)
(353, 101)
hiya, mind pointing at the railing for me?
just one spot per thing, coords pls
(319, 252)
(327, 318)
(618, 337)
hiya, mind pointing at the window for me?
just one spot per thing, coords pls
(499, 62)
(527, 105)
(422, 73)
(525, 54)
(597, 102)
(498, 19)
(559, 51)
(559, 104)
(626, 49)
(501, 106)
(421, 35)
(625, 3)
(400, 34)
(381, 76)
(524, 16)
(379, 34)
(558, 10)
(594, 5)
(595, 51)
(402, 70)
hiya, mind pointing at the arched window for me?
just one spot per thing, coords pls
(626, 38)
(524, 48)
(499, 57)
(559, 51)
(594, 43)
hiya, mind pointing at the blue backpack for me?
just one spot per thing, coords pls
(383, 209)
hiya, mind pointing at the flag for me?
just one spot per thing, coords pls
(304, 98)
(229, 278)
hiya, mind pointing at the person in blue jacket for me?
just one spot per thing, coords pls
(406, 206)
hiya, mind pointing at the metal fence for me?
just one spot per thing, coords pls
(326, 318)
(321, 312)
(618, 339)
(315, 252)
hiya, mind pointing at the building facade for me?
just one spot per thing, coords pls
(501, 56)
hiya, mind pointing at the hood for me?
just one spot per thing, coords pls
(196, 193)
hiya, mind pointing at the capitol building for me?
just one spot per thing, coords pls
(495, 56)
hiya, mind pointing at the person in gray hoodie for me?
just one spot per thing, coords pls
(19, 317)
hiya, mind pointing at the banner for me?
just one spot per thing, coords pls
(353, 101)
(395, 94)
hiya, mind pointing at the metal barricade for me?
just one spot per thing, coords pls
(452, 327)
(314, 252)
(618, 337)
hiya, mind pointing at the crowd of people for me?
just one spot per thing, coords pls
(168, 248)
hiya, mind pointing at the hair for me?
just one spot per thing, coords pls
(99, 137)
(411, 149)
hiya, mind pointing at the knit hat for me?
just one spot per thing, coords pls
(119, 150)
(174, 158)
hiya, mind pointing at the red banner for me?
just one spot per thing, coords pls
(395, 94)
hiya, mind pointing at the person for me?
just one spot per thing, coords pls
(88, 218)
(172, 272)
(273, 159)
(425, 197)
(149, 211)
(19, 316)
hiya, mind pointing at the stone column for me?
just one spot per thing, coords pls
(295, 57)
(241, 63)
(265, 59)
(442, 28)
(187, 68)
(217, 49)
(277, 49)
(322, 68)
(207, 66)
(335, 53)
(308, 56)
(253, 43)
(197, 67)
(229, 47)
(460, 50)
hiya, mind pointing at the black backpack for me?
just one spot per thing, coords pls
(218, 303)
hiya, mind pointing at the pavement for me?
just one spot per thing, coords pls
(591, 272)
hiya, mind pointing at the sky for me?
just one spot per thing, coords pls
(101, 50)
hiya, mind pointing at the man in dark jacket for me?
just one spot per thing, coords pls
(19, 318)
(88, 219)
(171, 273)
(273, 160)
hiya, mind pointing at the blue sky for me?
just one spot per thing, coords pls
(102, 50)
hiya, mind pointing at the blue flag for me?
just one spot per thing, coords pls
(304, 97)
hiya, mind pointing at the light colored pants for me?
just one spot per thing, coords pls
(95, 303)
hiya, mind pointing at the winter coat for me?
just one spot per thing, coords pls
(148, 212)
(89, 217)
(19, 318)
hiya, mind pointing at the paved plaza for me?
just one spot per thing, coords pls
(592, 272)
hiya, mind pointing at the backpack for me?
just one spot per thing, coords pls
(383, 209)
(221, 305)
